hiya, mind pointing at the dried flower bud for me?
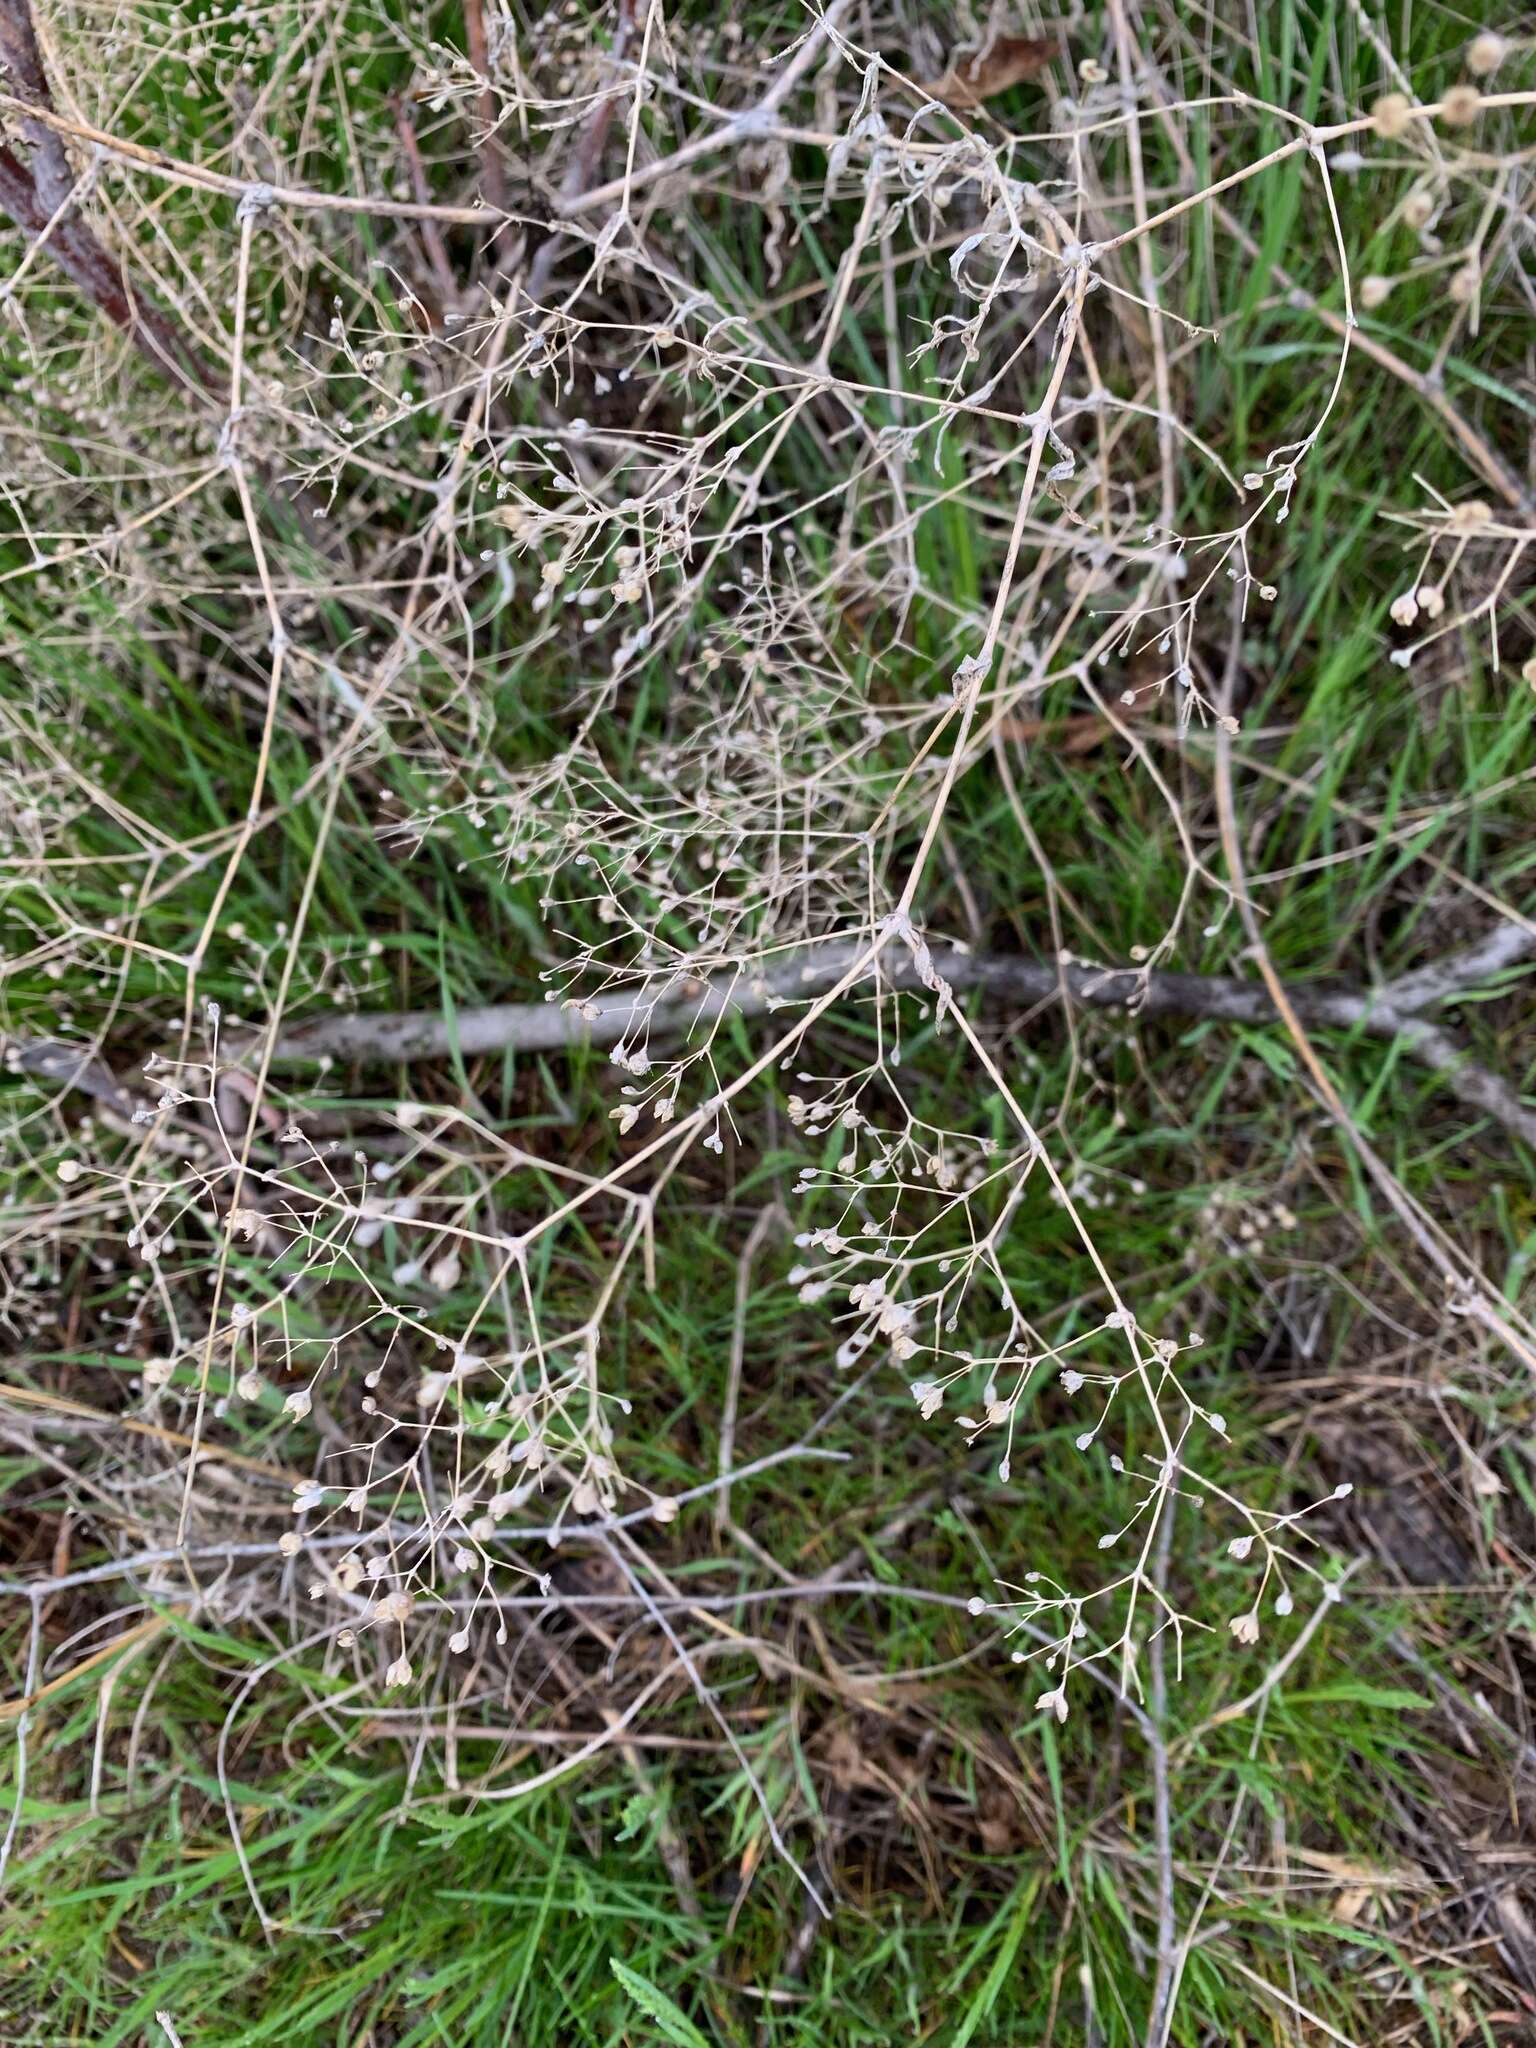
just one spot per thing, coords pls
(1391, 114)
(1461, 106)
(1471, 515)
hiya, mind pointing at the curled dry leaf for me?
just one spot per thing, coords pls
(1005, 61)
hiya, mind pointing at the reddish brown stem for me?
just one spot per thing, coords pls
(39, 196)
(431, 233)
(98, 274)
(493, 169)
(587, 158)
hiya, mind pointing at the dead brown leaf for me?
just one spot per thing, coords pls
(1005, 61)
(1366, 1889)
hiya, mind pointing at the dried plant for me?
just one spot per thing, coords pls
(459, 446)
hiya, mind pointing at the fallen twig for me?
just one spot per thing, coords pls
(680, 1006)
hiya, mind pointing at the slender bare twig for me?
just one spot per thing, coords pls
(755, 1236)
(1469, 1290)
(707, 1699)
(1162, 1785)
(31, 1687)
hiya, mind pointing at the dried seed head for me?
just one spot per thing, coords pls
(1374, 292)
(1461, 106)
(1391, 114)
(1471, 515)
(1485, 53)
